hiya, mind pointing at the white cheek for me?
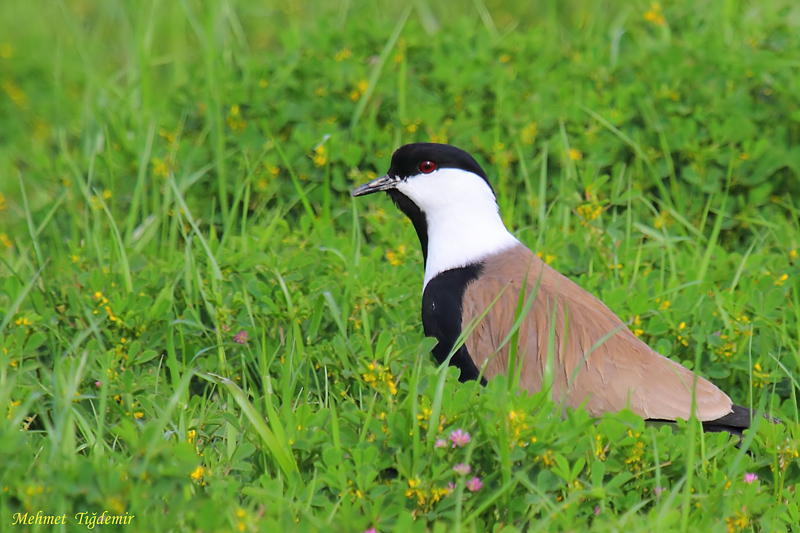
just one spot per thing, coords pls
(449, 188)
(427, 190)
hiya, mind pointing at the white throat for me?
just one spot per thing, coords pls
(464, 224)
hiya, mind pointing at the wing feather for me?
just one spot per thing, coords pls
(620, 372)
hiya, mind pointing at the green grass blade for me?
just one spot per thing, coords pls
(278, 449)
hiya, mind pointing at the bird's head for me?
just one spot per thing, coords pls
(433, 177)
(445, 193)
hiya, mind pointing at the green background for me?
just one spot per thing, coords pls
(202, 329)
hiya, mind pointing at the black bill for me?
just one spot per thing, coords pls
(384, 183)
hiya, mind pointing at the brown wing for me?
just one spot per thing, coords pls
(620, 372)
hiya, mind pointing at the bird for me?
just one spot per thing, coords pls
(476, 274)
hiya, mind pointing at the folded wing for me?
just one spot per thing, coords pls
(598, 361)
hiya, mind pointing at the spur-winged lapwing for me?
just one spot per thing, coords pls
(472, 260)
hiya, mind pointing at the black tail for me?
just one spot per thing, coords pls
(735, 422)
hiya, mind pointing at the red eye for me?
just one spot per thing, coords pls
(426, 167)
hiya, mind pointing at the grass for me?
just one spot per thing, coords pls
(201, 329)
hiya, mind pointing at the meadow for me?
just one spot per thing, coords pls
(201, 330)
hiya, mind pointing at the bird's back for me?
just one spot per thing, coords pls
(598, 361)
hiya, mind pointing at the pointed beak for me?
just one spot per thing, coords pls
(384, 183)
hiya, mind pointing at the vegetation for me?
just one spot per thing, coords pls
(200, 328)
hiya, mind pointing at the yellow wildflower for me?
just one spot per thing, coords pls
(32, 490)
(361, 88)
(380, 375)
(654, 15)
(160, 167)
(5, 240)
(198, 472)
(396, 258)
(547, 458)
(762, 377)
(168, 135)
(517, 426)
(320, 157)
(547, 258)
(662, 219)
(635, 458)
(575, 154)
(599, 449)
(116, 505)
(529, 133)
(637, 330)
(234, 120)
(736, 523)
(787, 453)
(11, 407)
(16, 94)
(342, 54)
(589, 211)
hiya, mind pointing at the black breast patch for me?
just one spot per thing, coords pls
(441, 316)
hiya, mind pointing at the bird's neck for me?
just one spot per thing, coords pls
(458, 237)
